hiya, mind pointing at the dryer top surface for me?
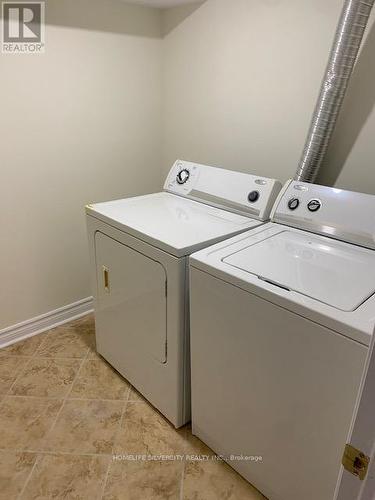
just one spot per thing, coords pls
(172, 223)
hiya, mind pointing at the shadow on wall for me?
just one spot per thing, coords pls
(174, 16)
(113, 16)
(358, 105)
(116, 16)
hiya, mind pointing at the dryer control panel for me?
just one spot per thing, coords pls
(237, 192)
(344, 215)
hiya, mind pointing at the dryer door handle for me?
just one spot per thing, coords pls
(106, 279)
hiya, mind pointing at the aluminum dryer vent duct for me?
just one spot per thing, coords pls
(348, 38)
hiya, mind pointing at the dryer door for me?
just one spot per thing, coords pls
(131, 305)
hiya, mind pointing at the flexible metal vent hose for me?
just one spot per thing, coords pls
(348, 38)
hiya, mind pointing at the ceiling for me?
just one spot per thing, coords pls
(161, 3)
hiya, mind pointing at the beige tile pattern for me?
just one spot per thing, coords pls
(24, 422)
(145, 431)
(86, 324)
(46, 378)
(72, 340)
(67, 476)
(64, 343)
(129, 480)
(10, 367)
(98, 380)
(15, 468)
(26, 347)
(215, 480)
(63, 413)
(85, 427)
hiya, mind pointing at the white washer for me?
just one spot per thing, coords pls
(281, 320)
(138, 251)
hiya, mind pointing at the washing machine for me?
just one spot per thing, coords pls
(139, 250)
(281, 320)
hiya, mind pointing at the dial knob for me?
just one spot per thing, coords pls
(293, 204)
(253, 196)
(314, 205)
(183, 176)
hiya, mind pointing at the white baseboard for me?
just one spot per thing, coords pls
(40, 324)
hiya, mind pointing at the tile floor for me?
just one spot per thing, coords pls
(64, 413)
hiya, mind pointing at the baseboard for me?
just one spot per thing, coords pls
(40, 324)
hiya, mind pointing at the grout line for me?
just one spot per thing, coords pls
(44, 357)
(21, 372)
(115, 439)
(47, 334)
(105, 479)
(122, 417)
(62, 398)
(61, 357)
(26, 366)
(10, 355)
(29, 476)
(77, 374)
(58, 413)
(47, 452)
(34, 356)
(40, 454)
(182, 480)
(66, 396)
(186, 449)
(29, 361)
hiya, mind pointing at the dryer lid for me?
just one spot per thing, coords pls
(335, 273)
(172, 223)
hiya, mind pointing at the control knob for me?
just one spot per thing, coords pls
(183, 176)
(253, 196)
(314, 205)
(293, 204)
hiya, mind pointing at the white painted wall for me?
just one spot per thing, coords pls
(241, 80)
(112, 104)
(78, 124)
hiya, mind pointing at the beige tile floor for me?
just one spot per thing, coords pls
(65, 413)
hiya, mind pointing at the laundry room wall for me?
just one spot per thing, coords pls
(123, 90)
(79, 124)
(241, 80)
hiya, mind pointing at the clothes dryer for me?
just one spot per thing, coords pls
(139, 250)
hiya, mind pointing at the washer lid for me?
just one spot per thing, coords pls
(335, 273)
(171, 223)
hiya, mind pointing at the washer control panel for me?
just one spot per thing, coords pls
(341, 214)
(312, 206)
(237, 192)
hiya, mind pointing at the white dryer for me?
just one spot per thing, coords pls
(138, 251)
(281, 320)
